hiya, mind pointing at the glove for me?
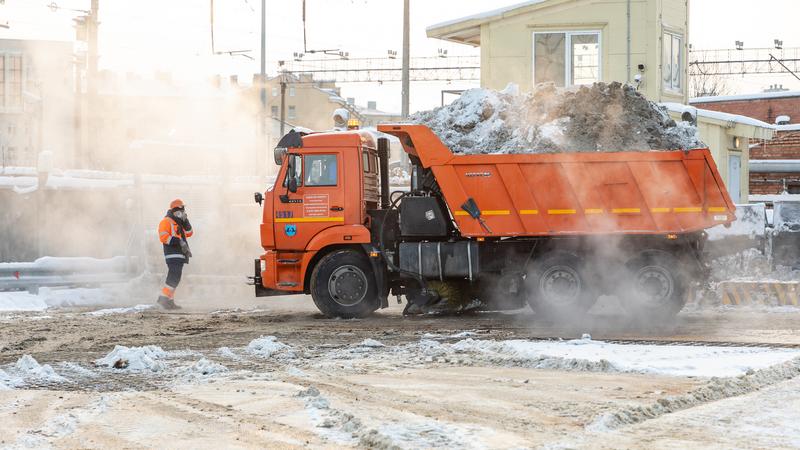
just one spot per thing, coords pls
(186, 225)
(185, 249)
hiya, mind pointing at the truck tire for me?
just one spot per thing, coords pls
(654, 286)
(343, 285)
(557, 286)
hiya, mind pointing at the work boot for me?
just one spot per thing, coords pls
(167, 303)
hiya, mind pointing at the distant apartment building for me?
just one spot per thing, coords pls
(37, 101)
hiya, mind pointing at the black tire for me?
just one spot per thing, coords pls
(557, 286)
(654, 286)
(343, 285)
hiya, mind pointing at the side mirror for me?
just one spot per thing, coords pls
(292, 184)
(259, 198)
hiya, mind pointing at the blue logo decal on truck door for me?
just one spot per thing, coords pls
(290, 229)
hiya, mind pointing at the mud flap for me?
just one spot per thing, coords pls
(381, 275)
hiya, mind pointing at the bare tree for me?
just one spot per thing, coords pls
(705, 82)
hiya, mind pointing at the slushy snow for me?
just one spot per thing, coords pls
(672, 360)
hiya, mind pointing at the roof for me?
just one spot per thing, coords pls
(467, 30)
(759, 129)
(741, 97)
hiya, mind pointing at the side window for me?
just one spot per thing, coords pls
(297, 160)
(321, 170)
(365, 161)
(375, 164)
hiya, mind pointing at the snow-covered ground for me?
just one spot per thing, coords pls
(54, 298)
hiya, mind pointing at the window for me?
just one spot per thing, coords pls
(671, 59)
(274, 92)
(321, 170)
(291, 92)
(566, 58)
(10, 81)
(292, 112)
(365, 161)
(274, 110)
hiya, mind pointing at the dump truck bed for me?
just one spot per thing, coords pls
(652, 192)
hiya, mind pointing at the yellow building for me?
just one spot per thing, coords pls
(573, 42)
(728, 137)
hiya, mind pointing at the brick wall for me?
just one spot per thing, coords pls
(765, 110)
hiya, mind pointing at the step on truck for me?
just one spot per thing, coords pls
(553, 231)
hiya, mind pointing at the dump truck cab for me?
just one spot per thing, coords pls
(326, 184)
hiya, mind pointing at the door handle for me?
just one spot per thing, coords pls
(337, 208)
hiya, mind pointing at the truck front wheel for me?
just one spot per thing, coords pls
(343, 285)
(655, 285)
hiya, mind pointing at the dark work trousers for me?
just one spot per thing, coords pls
(174, 272)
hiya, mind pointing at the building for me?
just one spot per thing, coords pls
(372, 116)
(37, 101)
(775, 164)
(309, 103)
(728, 136)
(573, 42)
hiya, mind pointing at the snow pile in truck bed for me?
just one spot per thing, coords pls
(603, 117)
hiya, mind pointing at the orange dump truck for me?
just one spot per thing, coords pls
(553, 231)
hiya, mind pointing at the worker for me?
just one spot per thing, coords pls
(173, 231)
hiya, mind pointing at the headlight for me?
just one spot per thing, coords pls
(263, 265)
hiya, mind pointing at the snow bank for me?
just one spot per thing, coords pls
(28, 370)
(751, 222)
(105, 312)
(602, 117)
(53, 298)
(268, 346)
(716, 389)
(137, 359)
(748, 265)
(587, 354)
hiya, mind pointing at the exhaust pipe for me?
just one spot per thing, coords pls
(383, 157)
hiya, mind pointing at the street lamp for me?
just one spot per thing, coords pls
(739, 45)
(778, 44)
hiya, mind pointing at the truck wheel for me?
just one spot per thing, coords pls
(343, 285)
(557, 286)
(654, 286)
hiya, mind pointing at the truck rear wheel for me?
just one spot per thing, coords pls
(654, 286)
(343, 285)
(557, 285)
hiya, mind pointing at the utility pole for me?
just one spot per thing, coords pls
(283, 102)
(406, 61)
(91, 84)
(263, 77)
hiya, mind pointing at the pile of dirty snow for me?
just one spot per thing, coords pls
(28, 370)
(603, 117)
(269, 346)
(136, 359)
(748, 265)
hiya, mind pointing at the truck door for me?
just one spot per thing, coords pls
(318, 203)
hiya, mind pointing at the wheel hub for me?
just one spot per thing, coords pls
(560, 285)
(347, 285)
(654, 284)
